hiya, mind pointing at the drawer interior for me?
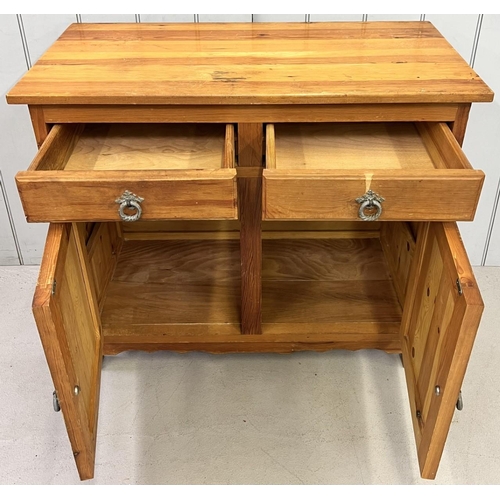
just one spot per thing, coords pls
(341, 285)
(363, 146)
(95, 147)
(368, 171)
(96, 172)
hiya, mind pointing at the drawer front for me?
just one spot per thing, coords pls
(323, 196)
(127, 172)
(57, 197)
(368, 172)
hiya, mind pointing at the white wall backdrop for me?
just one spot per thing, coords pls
(24, 38)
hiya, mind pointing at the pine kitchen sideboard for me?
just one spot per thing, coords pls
(254, 188)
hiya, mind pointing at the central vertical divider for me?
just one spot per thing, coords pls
(250, 150)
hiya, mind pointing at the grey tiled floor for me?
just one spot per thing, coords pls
(336, 417)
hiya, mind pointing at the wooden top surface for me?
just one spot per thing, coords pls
(250, 63)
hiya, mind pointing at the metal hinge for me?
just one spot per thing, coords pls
(54, 284)
(459, 286)
(55, 402)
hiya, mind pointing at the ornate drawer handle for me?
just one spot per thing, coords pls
(369, 201)
(130, 200)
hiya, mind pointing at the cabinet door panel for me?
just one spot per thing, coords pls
(65, 312)
(440, 320)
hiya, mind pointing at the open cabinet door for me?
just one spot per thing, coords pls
(65, 312)
(441, 316)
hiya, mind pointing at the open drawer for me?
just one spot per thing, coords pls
(368, 171)
(109, 172)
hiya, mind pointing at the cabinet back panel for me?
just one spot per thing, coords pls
(186, 296)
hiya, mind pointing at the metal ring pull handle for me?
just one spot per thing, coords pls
(370, 200)
(131, 201)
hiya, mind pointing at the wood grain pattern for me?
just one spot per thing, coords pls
(230, 230)
(457, 347)
(250, 140)
(56, 149)
(172, 304)
(78, 230)
(40, 127)
(266, 235)
(451, 153)
(250, 154)
(367, 146)
(193, 226)
(71, 339)
(377, 335)
(430, 279)
(103, 248)
(419, 169)
(426, 367)
(317, 293)
(291, 63)
(329, 302)
(177, 261)
(80, 196)
(432, 148)
(459, 125)
(438, 329)
(188, 226)
(441, 112)
(150, 147)
(398, 244)
(409, 195)
(70, 172)
(271, 146)
(89, 287)
(229, 159)
(249, 172)
(312, 285)
(323, 260)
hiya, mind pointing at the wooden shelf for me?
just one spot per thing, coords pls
(185, 295)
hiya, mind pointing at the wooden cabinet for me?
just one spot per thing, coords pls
(255, 188)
